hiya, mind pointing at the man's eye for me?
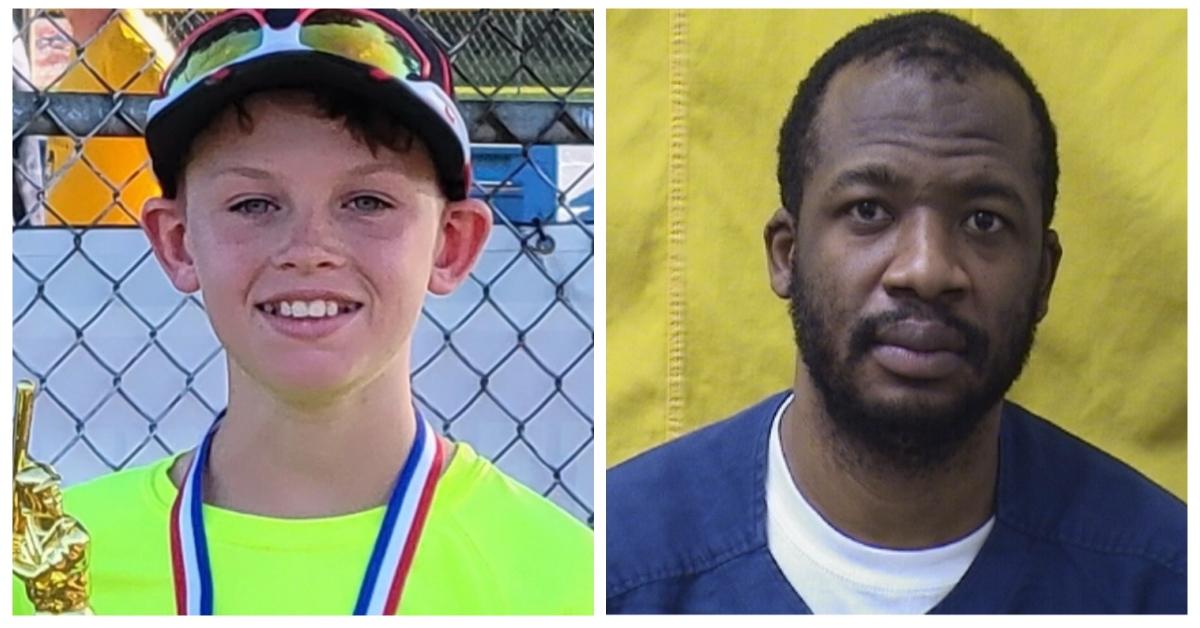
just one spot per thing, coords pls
(254, 206)
(368, 204)
(869, 212)
(984, 222)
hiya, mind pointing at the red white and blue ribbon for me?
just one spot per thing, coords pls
(391, 556)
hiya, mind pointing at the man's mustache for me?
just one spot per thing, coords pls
(867, 332)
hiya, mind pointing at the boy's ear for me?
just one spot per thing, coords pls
(465, 228)
(165, 225)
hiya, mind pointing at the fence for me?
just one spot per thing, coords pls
(129, 370)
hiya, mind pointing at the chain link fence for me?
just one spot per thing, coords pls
(129, 370)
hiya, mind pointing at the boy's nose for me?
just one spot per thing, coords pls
(310, 244)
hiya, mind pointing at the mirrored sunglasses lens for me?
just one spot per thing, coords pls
(226, 42)
(358, 39)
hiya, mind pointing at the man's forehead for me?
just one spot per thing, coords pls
(884, 101)
(906, 90)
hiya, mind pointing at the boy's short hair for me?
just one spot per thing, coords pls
(373, 126)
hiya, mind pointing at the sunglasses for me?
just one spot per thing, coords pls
(359, 35)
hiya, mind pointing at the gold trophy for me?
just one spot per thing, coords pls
(50, 547)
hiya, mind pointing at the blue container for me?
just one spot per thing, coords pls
(522, 189)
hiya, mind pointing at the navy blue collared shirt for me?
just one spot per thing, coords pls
(1076, 531)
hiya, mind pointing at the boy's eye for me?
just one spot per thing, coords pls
(368, 204)
(254, 206)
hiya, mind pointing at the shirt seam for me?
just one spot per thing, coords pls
(754, 539)
(465, 461)
(942, 587)
(693, 564)
(792, 532)
(1167, 558)
(1166, 562)
(484, 557)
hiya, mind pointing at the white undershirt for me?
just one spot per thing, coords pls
(834, 573)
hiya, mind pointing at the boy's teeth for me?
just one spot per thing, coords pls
(318, 308)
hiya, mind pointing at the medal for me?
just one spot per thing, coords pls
(391, 556)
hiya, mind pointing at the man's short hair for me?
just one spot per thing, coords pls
(942, 45)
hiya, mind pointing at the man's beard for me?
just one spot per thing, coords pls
(910, 437)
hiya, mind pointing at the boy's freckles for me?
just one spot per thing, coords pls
(313, 254)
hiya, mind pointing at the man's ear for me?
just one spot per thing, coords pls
(780, 239)
(1051, 256)
(165, 225)
(465, 228)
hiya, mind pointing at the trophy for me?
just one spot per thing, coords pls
(50, 547)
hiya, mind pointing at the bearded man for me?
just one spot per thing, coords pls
(918, 174)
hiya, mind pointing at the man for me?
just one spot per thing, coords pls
(918, 174)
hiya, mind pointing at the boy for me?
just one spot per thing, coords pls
(315, 175)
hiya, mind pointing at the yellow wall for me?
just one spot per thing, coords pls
(691, 183)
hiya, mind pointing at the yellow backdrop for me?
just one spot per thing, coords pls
(694, 333)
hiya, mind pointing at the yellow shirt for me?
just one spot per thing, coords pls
(489, 546)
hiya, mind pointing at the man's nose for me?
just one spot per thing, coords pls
(311, 242)
(926, 262)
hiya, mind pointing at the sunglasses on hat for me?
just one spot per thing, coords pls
(382, 46)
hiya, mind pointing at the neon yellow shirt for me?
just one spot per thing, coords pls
(490, 546)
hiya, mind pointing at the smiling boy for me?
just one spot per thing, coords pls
(315, 175)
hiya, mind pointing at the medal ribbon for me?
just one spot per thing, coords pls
(391, 556)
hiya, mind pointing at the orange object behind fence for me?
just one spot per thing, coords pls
(105, 180)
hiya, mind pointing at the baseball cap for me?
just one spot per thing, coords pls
(379, 54)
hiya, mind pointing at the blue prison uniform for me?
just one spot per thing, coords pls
(1076, 530)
